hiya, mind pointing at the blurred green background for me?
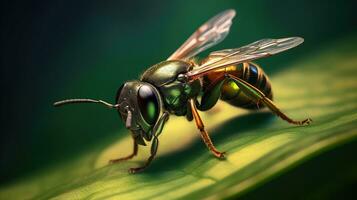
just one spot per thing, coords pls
(61, 49)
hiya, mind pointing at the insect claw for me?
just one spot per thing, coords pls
(307, 121)
(136, 170)
(221, 155)
(112, 161)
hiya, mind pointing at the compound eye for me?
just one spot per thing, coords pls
(148, 104)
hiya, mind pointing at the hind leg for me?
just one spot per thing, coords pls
(256, 95)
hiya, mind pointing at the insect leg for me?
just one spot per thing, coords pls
(154, 146)
(135, 152)
(258, 96)
(160, 124)
(155, 143)
(189, 115)
(211, 94)
(204, 135)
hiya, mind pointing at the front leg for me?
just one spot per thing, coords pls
(154, 146)
(135, 152)
(204, 135)
(156, 131)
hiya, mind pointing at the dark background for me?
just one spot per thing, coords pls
(61, 49)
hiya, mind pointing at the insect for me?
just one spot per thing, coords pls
(181, 86)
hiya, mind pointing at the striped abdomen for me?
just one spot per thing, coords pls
(231, 93)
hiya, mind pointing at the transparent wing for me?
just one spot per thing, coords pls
(255, 50)
(209, 34)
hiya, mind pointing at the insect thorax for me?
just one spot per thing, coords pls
(175, 94)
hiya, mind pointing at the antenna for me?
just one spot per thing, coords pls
(73, 101)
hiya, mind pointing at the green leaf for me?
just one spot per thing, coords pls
(259, 145)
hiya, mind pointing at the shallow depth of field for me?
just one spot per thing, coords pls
(57, 50)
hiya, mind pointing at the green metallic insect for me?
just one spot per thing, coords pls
(181, 86)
